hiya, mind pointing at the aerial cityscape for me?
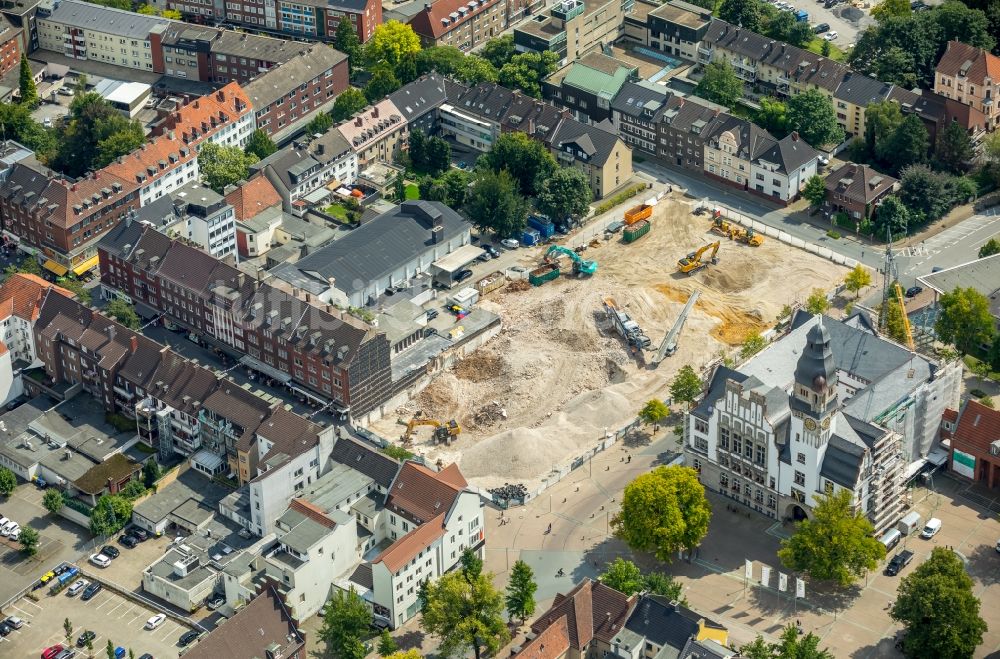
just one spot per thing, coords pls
(572, 329)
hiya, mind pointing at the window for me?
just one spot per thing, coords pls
(772, 501)
(723, 480)
(700, 426)
(748, 450)
(800, 478)
(828, 487)
(737, 444)
(746, 489)
(761, 454)
(701, 444)
(800, 458)
(724, 438)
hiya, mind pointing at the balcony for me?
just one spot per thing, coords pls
(704, 55)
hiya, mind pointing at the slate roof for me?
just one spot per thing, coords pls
(842, 461)
(310, 63)
(89, 16)
(666, 624)
(378, 466)
(595, 141)
(592, 610)
(635, 98)
(789, 154)
(861, 90)
(974, 64)
(251, 631)
(859, 183)
(419, 97)
(751, 140)
(715, 390)
(230, 42)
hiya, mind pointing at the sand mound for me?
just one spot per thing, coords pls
(479, 367)
(728, 280)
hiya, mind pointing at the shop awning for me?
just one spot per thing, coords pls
(269, 371)
(89, 264)
(55, 268)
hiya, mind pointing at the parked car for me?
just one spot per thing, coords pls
(84, 637)
(90, 591)
(128, 541)
(110, 552)
(62, 568)
(821, 28)
(15, 535)
(510, 243)
(491, 250)
(614, 227)
(100, 560)
(14, 622)
(432, 314)
(52, 652)
(77, 586)
(119, 652)
(188, 638)
(216, 603)
(831, 36)
(156, 621)
(5, 629)
(4, 521)
(931, 528)
(7, 527)
(140, 534)
(462, 275)
(146, 656)
(898, 562)
(68, 653)
(914, 291)
(484, 257)
(64, 91)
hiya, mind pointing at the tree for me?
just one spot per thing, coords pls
(658, 583)
(565, 193)
(857, 279)
(90, 648)
(110, 515)
(909, 143)
(76, 287)
(18, 125)
(720, 84)
(430, 155)
(223, 165)
(525, 71)
(964, 319)
(318, 125)
(837, 544)
(464, 611)
(346, 40)
(521, 589)
(748, 14)
(52, 500)
(27, 92)
(939, 609)
(991, 247)
(527, 160)
(123, 312)
(110, 649)
(443, 59)
(499, 50)
(784, 27)
(387, 644)
(891, 217)
(121, 142)
(8, 481)
(815, 190)
(474, 70)
(888, 8)
(654, 411)
(93, 135)
(793, 645)
(686, 386)
(345, 624)
(405, 654)
(262, 146)
(133, 490)
(753, 344)
(399, 188)
(150, 472)
(29, 541)
(881, 120)
(663, 511)
(954, 149)
(172, 14)
(758, 648)
(817, 303)
(825, 48)
(811, 114)
(895, 323)
(624, 576)
(351, 101)
(772, 116)
(382, 83)
(393, 46)
(68, 628)
(146, 9)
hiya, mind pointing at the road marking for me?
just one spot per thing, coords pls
(120, 604)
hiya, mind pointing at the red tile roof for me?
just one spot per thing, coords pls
(312, 512)
(398, 554)
(550, 644)
(21, 295)
(978, 427)
(68, 203)
(151, 161)
(950, 415)
(252, 197)
(199, 118)
(438, 20)
(422, 494)
(975, 64)
(592, 610)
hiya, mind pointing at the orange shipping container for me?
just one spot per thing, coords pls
(640, 212)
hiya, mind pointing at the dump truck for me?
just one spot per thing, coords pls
(637, 213)
(545, 273)
(530, 237)
(636, 231)
(695, 261)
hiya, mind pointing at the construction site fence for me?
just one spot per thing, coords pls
(781, 236)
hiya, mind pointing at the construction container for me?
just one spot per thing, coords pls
(541, 224)
(638, 213)
(530, 237)
(636, 231)
(547, 272)
(465, 298)
(490, 283)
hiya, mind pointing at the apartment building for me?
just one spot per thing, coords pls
(85, 31)
(288, 96)
(972, 76)
(730, 149)
(600, 154)
(364, 15)
(781, 171)
(674, 28)
(159, 167)
(573, 28)
(224, 117)
(857, 190)
(463, 24)
(376, 134)
(802, 418)
(208, 220)
(587, 86)
(10, 46)
(323, 355)
(21, 15)
(304, 167)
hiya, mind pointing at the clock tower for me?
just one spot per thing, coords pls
(814, 399)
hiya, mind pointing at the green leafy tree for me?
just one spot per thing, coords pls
(964, 320)
(748, 14)
(837, 544)
(957, 21)
(565, 193)
(882, 118)
(474, 70)
(857, 279)
(223, 165)
(93, 135)
(653, 412)
(346, 40)
(817, 303)
(52, 500)
(527, 160)
(825, 48)
(720, 84)
(815, 190)
(892, 217)
(525, 71)
(811, 114)
(793, 645)
(76, 287)
(444, 59)
(888, 8)
(464, 610)
(521, 589)
(399, 188)
(954, 149)
(8, 481)
(29, 541)
(146, 9)
(150, 472)
(387, 644)
(124, 313)
(382, 83)
(405, 654)
(351, 101)
(345, 625)
(991, 247)
(68, 629)
(686, 386)
(772, 116)
(262, 146)
(29, 266)
(753, 344)
(318, 125)
(660, 584)
(110, 515)
(437, 155)
(895, 323)
(498, 51)
(133, 490)
(940, 611)
(394, 47)
(909, 143)
(172, 14)
(663, 511)
(110, 649)
(758, 648)
(18, 125)
(624, 576)
(784, 27)
(27, 92)
(123, 141)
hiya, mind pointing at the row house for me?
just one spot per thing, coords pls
(304, 167)
(573, 28)
(22, 16)
(325, 356)
(224, 117)
(972, 76)
(376, 134)
(674, 28)
(10, 46)
(463, 24)
(159, 166)
(587, 86)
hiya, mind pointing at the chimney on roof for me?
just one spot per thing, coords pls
(795, 136)
(375, 112)
(97, 174)
(358, 121)
(437, 235)
(195, 104)
(135, 343)
(332, 281)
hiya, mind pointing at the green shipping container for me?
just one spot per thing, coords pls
(543, 274)
(636, 231)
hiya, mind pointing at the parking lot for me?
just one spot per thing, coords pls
(108, 614)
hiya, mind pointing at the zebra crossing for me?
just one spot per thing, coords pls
(970, 235)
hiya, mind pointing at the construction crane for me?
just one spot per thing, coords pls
(669, 345)
(626, 327)
(580, 266)
(443, 432)
(693, 261)
(906, 320)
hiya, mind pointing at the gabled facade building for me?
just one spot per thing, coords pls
(972, 76)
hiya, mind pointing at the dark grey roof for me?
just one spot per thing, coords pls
(376, 248)
(858, 89)
(752, 141)
(160, 212)
(634, 98)
(420, 96)
(687, 116)
(87, 16)
(595, 141)
(815, 367)
(378, 466)
(716, 389)
(842, 461)
(789, 154)
(310, 63)
(663, 623)
(363, 575)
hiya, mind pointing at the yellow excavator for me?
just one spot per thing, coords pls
(443, 431)
(694, 261)
(736, 232)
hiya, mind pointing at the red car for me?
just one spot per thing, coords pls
(50, 653)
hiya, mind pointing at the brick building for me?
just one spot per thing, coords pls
(970, 75)
(364, 15)
(10, 46)
(460, 23)
(975, 443)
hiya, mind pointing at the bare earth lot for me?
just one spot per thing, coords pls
(563, 377)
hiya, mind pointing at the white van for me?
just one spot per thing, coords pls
(77, 586)
(910, 523)
(891, 538)
(933, 526)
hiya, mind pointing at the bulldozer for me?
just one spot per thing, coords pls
(443, 431)
(695, 260)
(748, 236)
(721, 227)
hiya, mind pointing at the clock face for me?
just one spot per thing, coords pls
(810, 424)
(826, 422)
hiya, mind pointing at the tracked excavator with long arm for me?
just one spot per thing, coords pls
(696, 260)
(580, 266)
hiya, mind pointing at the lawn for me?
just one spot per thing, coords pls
(836, 53)
(971, 362)
(337, 211)
(412, 191)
